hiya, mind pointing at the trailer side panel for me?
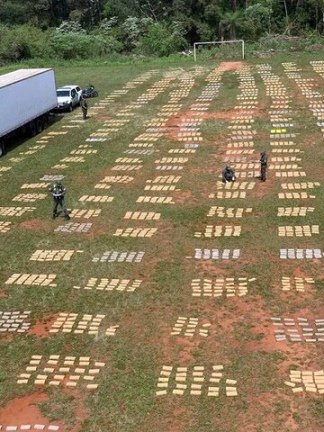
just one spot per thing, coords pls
(25, 100)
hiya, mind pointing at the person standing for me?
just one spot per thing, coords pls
(84, 107)
(264, 166)
(58, 191)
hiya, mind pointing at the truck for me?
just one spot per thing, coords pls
(27, 96)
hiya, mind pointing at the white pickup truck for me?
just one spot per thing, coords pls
(26, 98)
(68, 97)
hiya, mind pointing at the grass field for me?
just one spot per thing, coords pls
(223, 107)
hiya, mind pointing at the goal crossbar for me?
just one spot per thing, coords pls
(241, 41)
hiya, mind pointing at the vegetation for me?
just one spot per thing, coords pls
(70, 29)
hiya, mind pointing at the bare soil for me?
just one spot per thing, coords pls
(36, 225)
(41, 328)
(24, 410)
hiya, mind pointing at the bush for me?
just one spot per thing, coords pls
(26, 42)
(70, 27)
(80, 45)
(132, 30)
(162, 41)
(287, 43)
(22, 42)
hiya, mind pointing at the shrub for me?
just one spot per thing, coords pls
(22, 42)
(162, 41)
(80, 45)
(70, 27)
(133, 29)
(288, 43)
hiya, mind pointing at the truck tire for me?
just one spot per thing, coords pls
(71, 107)
(45, 122)
(2, 149)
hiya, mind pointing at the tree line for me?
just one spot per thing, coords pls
(70, 28)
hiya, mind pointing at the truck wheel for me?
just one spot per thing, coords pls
(70, 107)
(2, 149)
(45, 122)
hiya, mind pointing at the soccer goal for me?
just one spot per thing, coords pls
(196, 45)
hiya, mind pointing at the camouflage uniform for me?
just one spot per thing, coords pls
(58, 192)
(84, 107)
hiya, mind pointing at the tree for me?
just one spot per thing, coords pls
(163, 40)
(258, 18)
(230, 23)
(287, 16)
(318, 5)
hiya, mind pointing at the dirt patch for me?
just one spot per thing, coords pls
(264, 340)
(24, 410)
(186, 357)
(35, 225)
(207, 268)
(230, 66)
(184, 347)
(253, 421)
(81, 413)
(173, 126)
(175, 422)
(97, 230)
(182, 197)
(293, 298)
(3, 294)
(101, 118)
(298, 272)
(42, 327)
(263, 188)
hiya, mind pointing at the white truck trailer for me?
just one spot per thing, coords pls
(26, 98)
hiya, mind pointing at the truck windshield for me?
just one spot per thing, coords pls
(62, 93)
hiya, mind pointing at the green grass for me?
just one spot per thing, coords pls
(125, 400)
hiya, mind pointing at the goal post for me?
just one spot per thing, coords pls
(240, 41)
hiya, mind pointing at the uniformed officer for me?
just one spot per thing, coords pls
(58, 192)
(228, 174)
(84, 107)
